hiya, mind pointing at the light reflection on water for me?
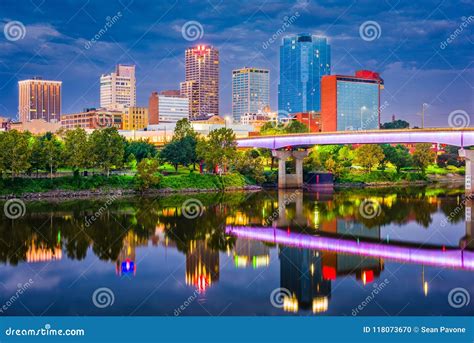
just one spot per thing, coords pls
(315, 253)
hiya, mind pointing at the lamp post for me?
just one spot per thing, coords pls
(425, 105)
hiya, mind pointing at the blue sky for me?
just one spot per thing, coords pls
(409, 51)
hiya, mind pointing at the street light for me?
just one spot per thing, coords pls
(363, 108)
(425, 105)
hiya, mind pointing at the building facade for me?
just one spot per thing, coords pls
(304, 60)
(351, 102)
(167, 107)
(118, 89)
(201, 85)
(39, 99)
(311, 119)
(250, 91)
(92, 119)
(135, 118)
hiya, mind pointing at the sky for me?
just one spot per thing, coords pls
(422, 49)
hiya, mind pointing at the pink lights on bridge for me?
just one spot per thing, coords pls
(456, 137)
(460, 259)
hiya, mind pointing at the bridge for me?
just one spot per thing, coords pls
(447, 258)
(285, 146)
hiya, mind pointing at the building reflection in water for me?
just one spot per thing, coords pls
(41, 253)
(202, 265)
(251, 253)
(126, 261)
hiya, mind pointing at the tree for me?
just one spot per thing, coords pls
(140, 149)
(423, 156)
(37, 157)
(396, 124)
(293, 126)
(147, 174)
(219, 149)
(247, 164)
(183, 129)
(106, 149)
(369, 156)
(76, 149)
(53, 153)
(172, 154)
(15, 152)
(334, 167)
(399, 156)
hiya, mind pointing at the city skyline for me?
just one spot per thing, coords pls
(435, 72)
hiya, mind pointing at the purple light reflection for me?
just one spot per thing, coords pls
(458, 258)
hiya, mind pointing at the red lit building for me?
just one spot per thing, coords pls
(351, 102)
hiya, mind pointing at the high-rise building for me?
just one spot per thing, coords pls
(250, 91)
(167, 107)
(351, 102)
(135, 118)
(304, 60)
(118, 89)
(201, 85)
(39, 99)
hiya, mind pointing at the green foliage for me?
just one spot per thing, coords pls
(15, 151)
(106, 149)
(399, 156)
(147, 174)
(203, 181)
(423, 156)
(139, 149)
(182, 148)
(293, 126)
(249, 165)
(76, 149)
(219, 149)
(397, 124)
(369, 156)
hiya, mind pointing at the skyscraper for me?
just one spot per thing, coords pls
(167, 107)
(304, 60)
(351, 102)
(250, 91)
(118, 89)
(39, 99)
(201, 85)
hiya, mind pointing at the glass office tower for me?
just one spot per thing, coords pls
(304, 60)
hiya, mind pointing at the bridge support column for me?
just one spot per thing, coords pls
(290, 180)
(469, 175)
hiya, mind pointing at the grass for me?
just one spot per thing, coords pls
(380, 176)
(69, 183)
